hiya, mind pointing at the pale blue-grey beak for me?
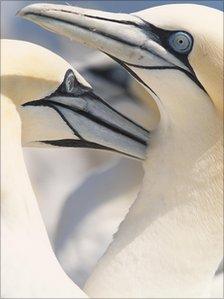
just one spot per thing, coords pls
(94, 123)
(127, 38)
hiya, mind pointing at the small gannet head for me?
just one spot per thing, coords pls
(59, 108)
(154, 44)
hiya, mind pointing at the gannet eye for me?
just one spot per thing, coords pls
(180, 42)
(72, 86)
(70, 82)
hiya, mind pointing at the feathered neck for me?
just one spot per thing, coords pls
(169, 244)
(29, 266)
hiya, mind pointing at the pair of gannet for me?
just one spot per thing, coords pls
(170, 243)
(115, 183)
(45, 102)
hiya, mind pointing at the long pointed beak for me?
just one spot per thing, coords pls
(96, 125)
(123, 36)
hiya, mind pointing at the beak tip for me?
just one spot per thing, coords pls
(24, 11)
(20, 13)
(29, 9)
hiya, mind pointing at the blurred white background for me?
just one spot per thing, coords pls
(83, 194)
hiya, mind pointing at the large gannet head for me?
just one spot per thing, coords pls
(181, 43)
(58, 107)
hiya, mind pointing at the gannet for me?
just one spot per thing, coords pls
(65, 190)
(170, 243)
(45, 102)
(115, 183)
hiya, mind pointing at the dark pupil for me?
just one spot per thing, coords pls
(180, 41)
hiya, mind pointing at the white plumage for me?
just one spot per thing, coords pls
(170, 243)
(45, 102)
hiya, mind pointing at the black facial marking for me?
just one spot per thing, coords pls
(71, 86)
(125, 65)
(160, 36)
(55, 105)
(74, 89)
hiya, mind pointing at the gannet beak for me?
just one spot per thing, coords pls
(125, 37)
(94, 123)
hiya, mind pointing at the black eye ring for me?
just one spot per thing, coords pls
(181, 42)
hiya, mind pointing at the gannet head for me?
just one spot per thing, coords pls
(157, 45)
(58, 107)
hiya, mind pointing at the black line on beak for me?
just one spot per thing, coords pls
(94, 96)
(53, 105)
(125, 65)
(100, 18)
(83, 144)
(157, 34)
(76, 143)
(142, 26)
(86, 28)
